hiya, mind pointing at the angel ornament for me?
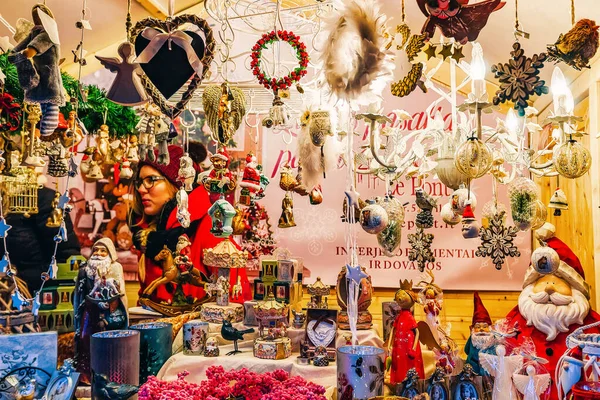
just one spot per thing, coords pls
(183, 214)
(502, 368)
(531, 386)
(127, 88)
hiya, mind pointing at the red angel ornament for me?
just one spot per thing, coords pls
(457, 18)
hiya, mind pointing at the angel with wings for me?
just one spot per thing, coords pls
(502, 368)
(531, 386)
(127, 88)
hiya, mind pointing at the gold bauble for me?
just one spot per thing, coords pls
(571, 159)
(448, 174)
(473, 158)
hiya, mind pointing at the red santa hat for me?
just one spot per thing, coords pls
(250, 158)
(468, 212)
(480, 313)
(222, 154)
(570, 268)
(575, 356)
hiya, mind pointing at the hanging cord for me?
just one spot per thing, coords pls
(403, 12)
(517, 26)
(572, 12)
(128, 21)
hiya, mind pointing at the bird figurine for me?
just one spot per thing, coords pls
(576, 47)
(107, 390)
(228, 332)
(457, 18)
(426, 203)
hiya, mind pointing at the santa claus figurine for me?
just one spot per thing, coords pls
(554, 301)
(183, 259)
(481, 336)
(250, 183)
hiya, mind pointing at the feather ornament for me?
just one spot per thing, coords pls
(356, 64)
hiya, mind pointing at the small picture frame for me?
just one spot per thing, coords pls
(411, 386)
(437, 386)
(63, 383)
(281, 291)
(321, 330)
(259, 289)
(466, 385)
(286, 270)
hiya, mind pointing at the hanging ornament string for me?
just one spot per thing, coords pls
(517, 26)
(403, 12)
(128, 23)
(572, 12)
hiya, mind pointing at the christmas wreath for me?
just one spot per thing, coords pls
(294, 76)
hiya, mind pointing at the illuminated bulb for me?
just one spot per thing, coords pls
(561, 94)
(512, 122)
(477, 71)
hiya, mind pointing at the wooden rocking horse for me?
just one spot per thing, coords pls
(172, 274)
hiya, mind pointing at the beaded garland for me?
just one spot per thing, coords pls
(285, 82)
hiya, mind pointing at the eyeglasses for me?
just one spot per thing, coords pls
(148, 181)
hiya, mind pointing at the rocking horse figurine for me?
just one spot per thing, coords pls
(174, 274)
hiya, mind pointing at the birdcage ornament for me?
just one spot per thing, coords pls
(21, 190)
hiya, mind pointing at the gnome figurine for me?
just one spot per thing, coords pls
(481, 337)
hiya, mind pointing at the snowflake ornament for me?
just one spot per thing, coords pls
(420, 248)
(497, 241)
(519, 78)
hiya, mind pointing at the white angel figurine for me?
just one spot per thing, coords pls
(502, 367)
(531, 386)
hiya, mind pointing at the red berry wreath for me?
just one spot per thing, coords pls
(294, 76)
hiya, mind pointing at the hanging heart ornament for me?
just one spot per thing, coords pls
(170, 57)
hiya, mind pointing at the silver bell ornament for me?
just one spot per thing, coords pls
(558, 202)
(389, 238)
(449, 216)
(373, 218)
(545, 260)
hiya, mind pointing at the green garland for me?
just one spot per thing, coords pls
(121, 120)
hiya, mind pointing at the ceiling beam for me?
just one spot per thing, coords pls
(154, 7)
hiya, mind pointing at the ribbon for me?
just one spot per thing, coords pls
(158, 39)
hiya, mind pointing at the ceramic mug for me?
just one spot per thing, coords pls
(360, 371)
(195, 333)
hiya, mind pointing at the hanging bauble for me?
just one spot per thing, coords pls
(523, 193)
(448, 174)
(558, 202)
(470, 229)
(539, 215)
(473, 158)
(545, 260)
(448, 216)
(373, 218)
(489, 210)
(459, 199)
(571, 159)
(389, 238)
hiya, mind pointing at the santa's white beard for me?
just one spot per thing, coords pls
(550, 318)
(482, 340)
(100, 264)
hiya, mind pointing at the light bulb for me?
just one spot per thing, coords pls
(561, 94)
(477, 71)
(512, 122)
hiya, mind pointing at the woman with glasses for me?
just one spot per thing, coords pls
(154, 222)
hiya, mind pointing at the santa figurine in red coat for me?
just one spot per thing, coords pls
(554, 301)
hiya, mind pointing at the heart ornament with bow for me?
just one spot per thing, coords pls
(169, 57)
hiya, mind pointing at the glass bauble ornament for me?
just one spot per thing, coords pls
(523, 193)
(473, 158)
(459, 199)
(389, 238)
(373, 218)
(448, 174)
(490, 209)
(539, 215)
(450, 217)
(571, 159)
(545, 260)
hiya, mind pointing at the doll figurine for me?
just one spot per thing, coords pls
(531, 386)
(502, 368)
(37, 60)
(187, 173)
(220, 179)
(104, 143)
(404, 338)
(126, 171)
(287, 212)
(132, 149)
